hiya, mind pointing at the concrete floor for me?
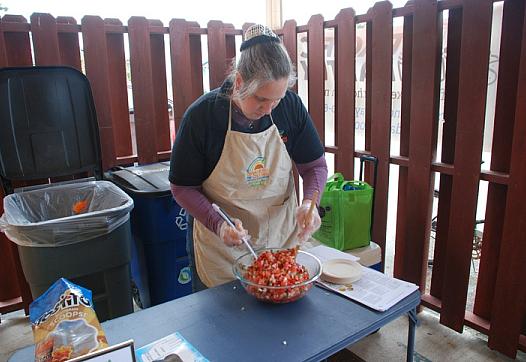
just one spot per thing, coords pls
(434, 342)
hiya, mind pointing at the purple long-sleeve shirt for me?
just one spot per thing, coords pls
(191, 198)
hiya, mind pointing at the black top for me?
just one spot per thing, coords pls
(201, 135)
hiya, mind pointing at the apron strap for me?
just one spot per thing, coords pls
(271, 119)
(230, 115)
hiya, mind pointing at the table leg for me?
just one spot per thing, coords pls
(413, 320)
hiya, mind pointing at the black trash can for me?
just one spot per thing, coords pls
(79, 229)
(159, 260)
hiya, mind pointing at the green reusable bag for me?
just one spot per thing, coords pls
(345, 210)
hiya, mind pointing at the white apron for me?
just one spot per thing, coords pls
(252, 182)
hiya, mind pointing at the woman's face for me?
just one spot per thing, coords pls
(264, 100)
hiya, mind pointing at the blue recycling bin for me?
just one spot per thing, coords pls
(159, 263)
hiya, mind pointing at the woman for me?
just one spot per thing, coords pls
(234, 148)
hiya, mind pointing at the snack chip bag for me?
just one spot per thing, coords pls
(64, 323)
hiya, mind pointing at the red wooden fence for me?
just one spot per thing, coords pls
(500, 302)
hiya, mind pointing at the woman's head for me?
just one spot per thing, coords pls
(263, 73)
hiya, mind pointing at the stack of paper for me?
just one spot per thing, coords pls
(374, 289)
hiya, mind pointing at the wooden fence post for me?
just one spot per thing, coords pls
(290, 41)
(45, 39)
(454, 34)
(425, 87)
(217, 53)
(316, 73)
(509, 307)
(187, 77)
(378, 109)
(120, 109)
(405, 116)
(3, 50)
(505, 105)
(68, 44)
(97, 71)
(142, 86)
(160, 97)
(473, 79)
(16, 44)
(344, 122)
(196, 62)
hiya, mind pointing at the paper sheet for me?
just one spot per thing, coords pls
(326, 253)
(375, 290)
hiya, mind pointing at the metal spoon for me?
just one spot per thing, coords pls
(229, 222)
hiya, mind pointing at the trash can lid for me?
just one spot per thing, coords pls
(149, 179)
(48, 122)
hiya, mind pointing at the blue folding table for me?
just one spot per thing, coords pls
(227, 324)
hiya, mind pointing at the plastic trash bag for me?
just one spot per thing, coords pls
(64, 214)
(64, 323)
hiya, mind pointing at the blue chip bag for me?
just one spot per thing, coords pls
(64, 323)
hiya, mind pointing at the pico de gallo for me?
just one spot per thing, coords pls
(279, 271)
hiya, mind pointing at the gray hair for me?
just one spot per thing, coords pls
(259, 64)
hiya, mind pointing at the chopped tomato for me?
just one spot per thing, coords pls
(277, 269)
(79, 207)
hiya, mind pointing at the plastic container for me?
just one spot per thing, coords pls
(370, 256)
(77, 230)
(159, 262)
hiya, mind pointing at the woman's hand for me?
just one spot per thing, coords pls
(307, 224)
(233, 236)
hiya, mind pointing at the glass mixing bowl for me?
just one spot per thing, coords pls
(278, 294)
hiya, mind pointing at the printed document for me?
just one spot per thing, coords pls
(374, 289)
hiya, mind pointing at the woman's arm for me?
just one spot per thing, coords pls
(192, 199)
(314, 175)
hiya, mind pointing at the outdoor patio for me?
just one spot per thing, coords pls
(436, 90)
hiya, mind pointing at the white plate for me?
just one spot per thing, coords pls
(341, 271)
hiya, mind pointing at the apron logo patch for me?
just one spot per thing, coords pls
(257, 173)
(283, 136)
